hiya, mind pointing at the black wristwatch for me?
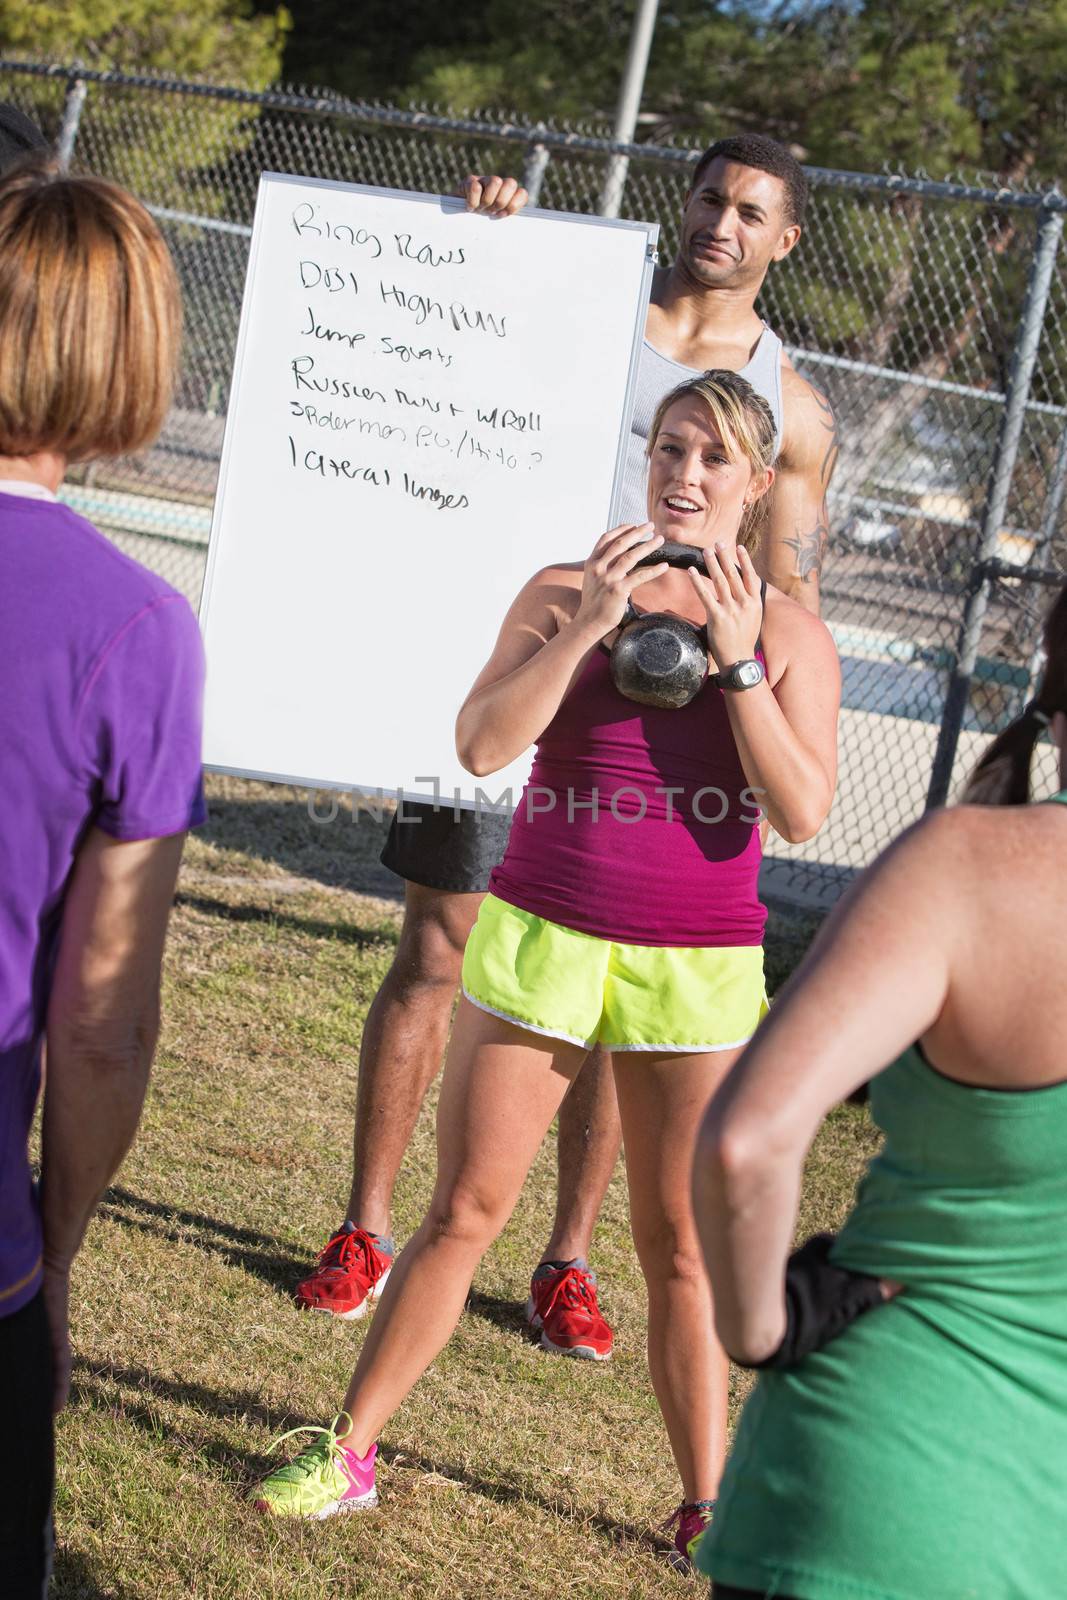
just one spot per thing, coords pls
(742, 675)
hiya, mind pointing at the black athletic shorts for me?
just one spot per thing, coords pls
(27, 1465)
(443, 849)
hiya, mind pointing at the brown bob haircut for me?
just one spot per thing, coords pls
(90, 316)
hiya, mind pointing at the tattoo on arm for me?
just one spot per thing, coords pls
(829, 422)
(809, 549)
(809, 545)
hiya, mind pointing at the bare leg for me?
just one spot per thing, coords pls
(589, 1139)
(501, 1089)
(662, 1100)
(403, 1044)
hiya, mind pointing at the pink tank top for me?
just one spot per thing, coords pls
(637, 824)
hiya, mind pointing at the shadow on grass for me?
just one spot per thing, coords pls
(341, 854)
(74, 1578)
(138, 1405)
(507, 1314)
(238, 1247)
(343, 932)
(509, 1491)
(141, 1391)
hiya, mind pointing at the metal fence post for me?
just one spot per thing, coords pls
(533, 171)
(629, 104)
(1023, 360)
(77, 89)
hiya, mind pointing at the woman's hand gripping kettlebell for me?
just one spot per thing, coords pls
(731, 597)
(609, 579)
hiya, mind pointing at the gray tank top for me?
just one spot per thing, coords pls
(656, 376)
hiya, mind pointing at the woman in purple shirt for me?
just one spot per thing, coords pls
(100, 685)
(625, 912)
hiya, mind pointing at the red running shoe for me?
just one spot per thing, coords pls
(563, 1306)
(351, 1274)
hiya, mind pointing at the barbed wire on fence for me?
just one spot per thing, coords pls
(931, 314)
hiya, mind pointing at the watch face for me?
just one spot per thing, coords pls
(748, 674)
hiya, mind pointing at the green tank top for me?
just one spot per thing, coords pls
(923, 1454)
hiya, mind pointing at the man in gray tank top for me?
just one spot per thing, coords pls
(743, 212)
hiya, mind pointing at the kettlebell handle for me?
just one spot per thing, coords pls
(676, 555)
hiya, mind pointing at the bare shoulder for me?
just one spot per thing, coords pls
(569, 572)
(791, 626)
(921, 881)
(1012, 844)
(809, 426)
(983, 885)
(546, 602)
(970, 853)
(945, 839)
(975, 891)
(995, 875)
(799, 394)
(555, 589)
(1016, 879)
(558, 575)
(791, 636)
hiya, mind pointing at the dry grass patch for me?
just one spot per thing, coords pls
(507, 1470)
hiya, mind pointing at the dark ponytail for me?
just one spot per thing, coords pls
(1002, 776)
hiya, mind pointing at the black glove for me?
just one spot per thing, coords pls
(820, 1302)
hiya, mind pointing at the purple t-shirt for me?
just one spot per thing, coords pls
(101, 679)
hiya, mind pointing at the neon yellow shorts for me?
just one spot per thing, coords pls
(573, 986)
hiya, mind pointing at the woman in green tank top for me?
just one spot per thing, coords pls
(921, 1455)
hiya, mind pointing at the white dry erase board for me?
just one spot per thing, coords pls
(426, 407)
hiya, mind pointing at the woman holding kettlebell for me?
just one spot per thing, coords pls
(625, 912)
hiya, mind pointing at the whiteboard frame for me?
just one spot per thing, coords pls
(449, 203)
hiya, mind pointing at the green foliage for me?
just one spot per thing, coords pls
(545, 58)
(160, 151)
(903, 105)
(218, 38)
(947, 84)
(942, 84)
(949, 87)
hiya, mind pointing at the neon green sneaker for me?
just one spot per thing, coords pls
(325, 1478)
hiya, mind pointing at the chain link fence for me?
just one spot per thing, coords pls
(931, 315)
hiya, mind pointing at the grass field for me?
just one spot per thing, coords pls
(508, 1471)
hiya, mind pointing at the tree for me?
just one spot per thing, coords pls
(858, 83)
(540, 58)
(163, 150)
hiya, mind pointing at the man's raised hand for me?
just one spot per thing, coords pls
(494, 196)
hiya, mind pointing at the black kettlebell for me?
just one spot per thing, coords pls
(659, 660)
